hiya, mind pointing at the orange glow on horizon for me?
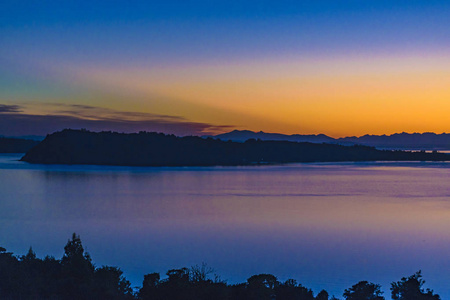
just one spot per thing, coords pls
(337, 97)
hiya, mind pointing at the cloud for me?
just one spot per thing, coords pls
(4, 108)
(15, 123)
(94, 112)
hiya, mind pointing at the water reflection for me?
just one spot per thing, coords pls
(327, 225)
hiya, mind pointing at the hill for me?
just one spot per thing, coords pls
(411, 141)
(243, 135)
(416, 141)
(12, 145)
(157, 149)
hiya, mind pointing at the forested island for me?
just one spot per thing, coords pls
(75, 277)
(157, 149)
(14, 145)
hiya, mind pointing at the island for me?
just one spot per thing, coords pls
(157, 149)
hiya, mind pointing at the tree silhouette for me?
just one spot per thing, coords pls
(30, 256)
(410, 288)
(75, 277)
(78, 270)
(200, 273)
(110, 284)
(322, 295)
(290, 290)
(9, 275)
(261, 286)
(364, 290)
(149, 290)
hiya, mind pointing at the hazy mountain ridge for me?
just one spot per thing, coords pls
(243, 135)
(426, 141)
(157, 149)
(413, 141)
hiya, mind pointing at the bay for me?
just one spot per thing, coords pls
(326, 225)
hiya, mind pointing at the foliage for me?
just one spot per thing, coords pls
(74, 276)
(322, 295)
(364, 290)
(410, 288)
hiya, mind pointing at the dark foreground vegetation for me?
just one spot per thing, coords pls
(74, 276)
(157, 149)
(10, 145)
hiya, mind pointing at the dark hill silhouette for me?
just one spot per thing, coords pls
(157, 149)
(425, 141)
(412, 141)
(12, 145)
(243, 135)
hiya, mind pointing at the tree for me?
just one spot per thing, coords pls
(30, 256)
(73, 249)
(410, 288)
(290, 290)
(149, 287)
(75, 258)
(178, 276)
(261, 286)
(177, 286)
(33, 275)
(10, 275)
(78, 270)
(364, 290)
(322, 295)
(110, 284)
(200, 273)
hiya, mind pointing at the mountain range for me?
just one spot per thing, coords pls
(410, 141)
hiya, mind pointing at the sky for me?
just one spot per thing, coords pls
(341, 68)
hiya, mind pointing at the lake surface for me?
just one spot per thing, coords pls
(326, 225)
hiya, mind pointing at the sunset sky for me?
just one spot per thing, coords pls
(341, 68)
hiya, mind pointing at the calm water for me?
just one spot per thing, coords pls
(326, 225)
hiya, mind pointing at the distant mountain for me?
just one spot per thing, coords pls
(243, 135)
(9, 145)
(410, 141)
(157, 149)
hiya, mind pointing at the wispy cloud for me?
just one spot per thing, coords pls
(15, 122)
(101, 113)
(5, 108)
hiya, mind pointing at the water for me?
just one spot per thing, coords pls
(326, 225)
